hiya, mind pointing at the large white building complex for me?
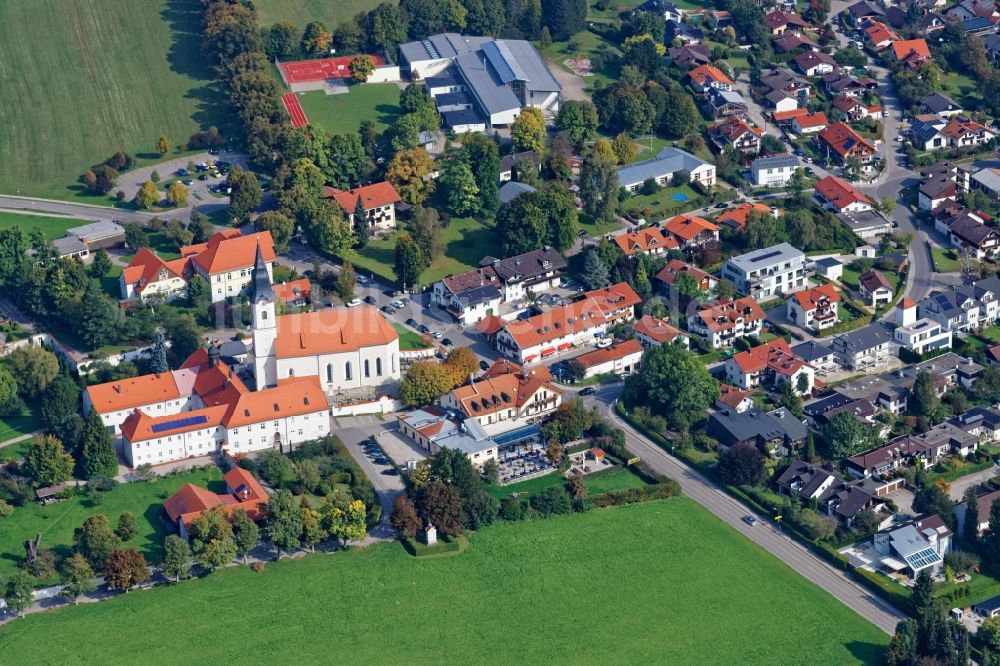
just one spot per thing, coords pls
(480, 81)
(779, 269)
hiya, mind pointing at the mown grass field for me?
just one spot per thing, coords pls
(601, 483)
(342, 114)
(663, 582)
(14, 426)
(56, 522)
(301, 12)
(52, 227)
(80, 80)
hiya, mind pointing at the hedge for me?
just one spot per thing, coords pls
(668, 488)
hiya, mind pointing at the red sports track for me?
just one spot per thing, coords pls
(291, 102)
(308, 71)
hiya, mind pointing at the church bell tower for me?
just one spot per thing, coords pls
(265, 326)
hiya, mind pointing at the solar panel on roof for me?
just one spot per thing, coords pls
(179, 423)
(768, 255)
(430, 48)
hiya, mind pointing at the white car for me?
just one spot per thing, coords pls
(397, 304)
(354, 302)
(603, 343)
(361, 279)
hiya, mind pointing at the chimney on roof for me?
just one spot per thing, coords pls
(118, 388)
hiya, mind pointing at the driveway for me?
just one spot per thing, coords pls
(963, 483)
(573, 86)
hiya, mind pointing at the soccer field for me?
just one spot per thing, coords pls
(80, 80)
(301, 12)
(342, 114)
(662, 582)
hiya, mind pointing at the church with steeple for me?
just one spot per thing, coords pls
(348, 349)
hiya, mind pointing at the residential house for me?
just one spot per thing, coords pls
(863, 348)
(931, 132)
(779, 22)
(820, 356)
(984, 504)
(911, 52)
(667, 9)
(879, 35)
(537, 271)
(720, 19)
(690, 55)
(777, 433)
(653, 332)
(919, 335)
(940, 105)
(913, 547)
(939, 185)
(511, 396)
(688, 35)
(772, 170)
(864, 9)
(662, 168)
(147, 275)
(617, 302)
(789, 41)
(691, 231)
(779, 269)
(378, 199)
(853, 108)
(836, 498)
(992, 43)
(243, 492)
(294, 294)
(780, 101)
(829, 268)
(838, 195)
(793, 86)
(227, 260)
(982, 422)
(971, 9)
(736, 217)
(733, 399)
(725, 103)
(621, 359)
(737, 134)
(512, 190)
(509, 164)
(966, 231)
(704, 77)
(548, 333)
(770, 364)
(666, 277)
(987, 180)
(649, 240)
(433, 429)
(840, 83)
(809, 123)
(845, 144)
(469, 297)
(815, 63)
(964, 308)
(722, 323)
(875, 288)
(814, 308)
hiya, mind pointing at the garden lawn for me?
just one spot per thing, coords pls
(945, 260)
(342, 114)
(15, 426)
(990, 333)
(409, 339)
(662, 582)
(81, 80)
(585, 44)
(15, 451)
(301, 12)
(661, 204)
(52, 227)
(56, 522)
(466, 243)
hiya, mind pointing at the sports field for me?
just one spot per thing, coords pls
(80, 80)
(342, 114)
(301, 12)
(663, 582)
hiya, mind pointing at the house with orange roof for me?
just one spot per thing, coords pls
(736, 217)
(879, 35)
(617, 302)
(161, 393)
(911, 52)
(840, 140)
(243, 493)
(501, 398)
(556, 330)
(721, 324)
(735, 133)
(932, 132)
(667, 277)
(650, 240)
(653, 332)
(621, 359)
(227, 260)
(704, 77)
(148, 275)
(691, 231)
(838, 195)
(809, 123)
(814, 308)
(295, 293)
(854, 108)
(783, 117)
(378, 199)
(733, 398)
(770, 364)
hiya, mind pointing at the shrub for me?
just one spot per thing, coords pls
(257, 566)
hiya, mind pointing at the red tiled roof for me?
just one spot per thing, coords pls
(645, 240)
(656, 329)
(599, 356)
(810, 120)
(331, 331)
(736, 216)
(839, 192)
(190, 499)
(733, 128)
(722, 316)
(846, 103)
(675, 267)
(845, 141)
(731, 396)
(614, 298)
(133, 392)
(147, 267)
(904, 48)
(139, 426)
(687, 227)
(776, 355)
(880, 32)
(375, 195)
(703, 73)
(227, 252)
(556, 323)
(294, 290)
(782, 116)
(810, 298)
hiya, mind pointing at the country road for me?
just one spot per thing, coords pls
(730, 511)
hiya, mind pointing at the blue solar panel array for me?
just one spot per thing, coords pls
(180, 423)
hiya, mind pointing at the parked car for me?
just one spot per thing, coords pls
(397, 304)
(437, 335)
(354, 302)
(446, 342)
(188, 182)
(423, 328)
(370, 300)
(388, 310)
(411, 322)
(182, 172)
(391, 471)
(604, 343)
(484, 366)
(362, 279)
(810, 171)
(587, 391)
(722, 205)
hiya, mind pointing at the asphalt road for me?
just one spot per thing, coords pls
(727, 509)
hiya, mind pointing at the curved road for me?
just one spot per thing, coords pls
(730, 511)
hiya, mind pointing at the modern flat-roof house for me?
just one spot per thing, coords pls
(838, 195)
(502, 76)
(773, 170)
(866, 224)
(662, 168)
(777, 432)
(915, 546)
(864, 348)
(779, 269)
(919, 335)
(721, 324)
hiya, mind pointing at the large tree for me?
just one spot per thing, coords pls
(284, 521)
(528, 130)
(95, 540)
(484, 154)
(440, 505)
(595, 271)
(404, 516)
(578, 120)
(424, 382)
(97, 454)
(77, 577)
(60, 399)
(460, 188)
(409, 172)
(742, 465)
(99, 318)
(34, 368)
(409, 262)
(176, 557)
(46, 463)
(924, 395)
(246, 193)
(599, 187)
(245, 533)
(280, 226)
(19, 591)
(846, 436)
(674, 384)
(970, 521)
(564, 18)
(125, 569)
(425, 229)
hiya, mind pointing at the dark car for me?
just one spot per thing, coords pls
(411, 322)
(483, 365)
(809, 171)
(388, 310)
(588, 391)
(446, 342)
(392, 471)
(581, 232)
(370, 300)
(203, 176)
(182, 172)
(424, 329)
(722, 205)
